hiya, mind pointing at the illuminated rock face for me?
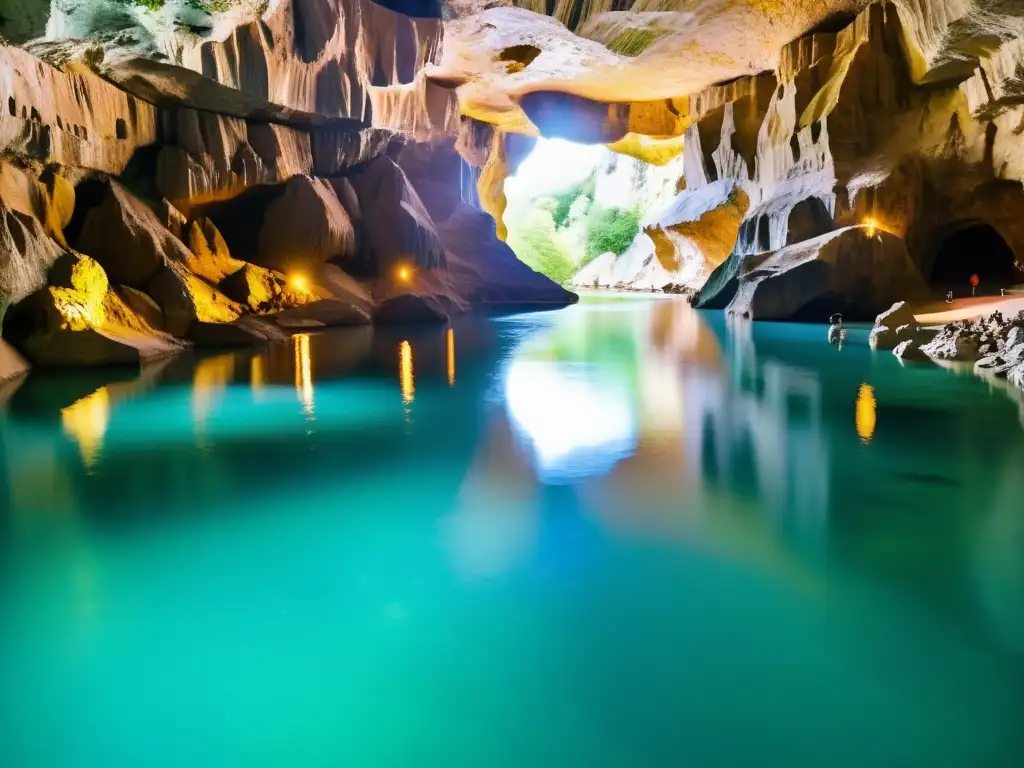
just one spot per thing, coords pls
(208, 161)
(218, 173)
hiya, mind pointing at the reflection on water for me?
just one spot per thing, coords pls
(866, 416)
(631, 514)
(405, 372)
(212, 376)
(303, 373)
(450, 345)
(85, 421)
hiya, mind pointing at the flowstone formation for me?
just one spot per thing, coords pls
(241, 168)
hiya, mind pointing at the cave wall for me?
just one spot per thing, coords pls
(838, 135)
(297, 172)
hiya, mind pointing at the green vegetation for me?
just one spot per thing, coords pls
(534, 240)
(205, 6)
(610, 229)
(561, 234)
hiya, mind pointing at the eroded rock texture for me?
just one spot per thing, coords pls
(227, 176)
(330, 161)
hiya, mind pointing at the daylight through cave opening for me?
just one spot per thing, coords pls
(570, 204)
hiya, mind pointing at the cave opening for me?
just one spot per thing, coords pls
(974, 249)
(571, 203)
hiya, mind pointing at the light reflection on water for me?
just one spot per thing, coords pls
(625, 526)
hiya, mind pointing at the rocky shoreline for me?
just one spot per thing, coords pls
(992, 345)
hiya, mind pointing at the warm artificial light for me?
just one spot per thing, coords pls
(299, 283)
(871, 227)
(404, 274)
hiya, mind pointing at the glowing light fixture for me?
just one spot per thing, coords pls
(451, 357)
(866, 415)
(299, 282)
(405, 373)
(404, 274)
(870, 226)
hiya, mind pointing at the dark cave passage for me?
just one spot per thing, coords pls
(979, 250)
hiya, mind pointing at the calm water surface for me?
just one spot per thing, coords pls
(623, 534)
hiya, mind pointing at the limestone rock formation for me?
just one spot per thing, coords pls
(849, 271)
(485, 271)
(76, 320)
(325, 233)
(127, 237)
(894, 326)
(397, 225)
(12, 364)
(408, 308)
(213, 161)
(26, 253)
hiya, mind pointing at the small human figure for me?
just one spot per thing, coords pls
(949, 297)
(836, 331)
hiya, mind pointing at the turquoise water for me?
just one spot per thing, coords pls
(620, 534)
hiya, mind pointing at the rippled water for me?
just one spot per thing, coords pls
(621, 534)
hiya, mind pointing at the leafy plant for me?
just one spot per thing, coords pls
(610, 229)
(565, 200)
(534, 242)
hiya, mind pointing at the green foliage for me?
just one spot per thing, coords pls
(535, 243)
(564, 200)
(205, 6)
(610, 229)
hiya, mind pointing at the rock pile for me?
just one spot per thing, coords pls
(994, 344)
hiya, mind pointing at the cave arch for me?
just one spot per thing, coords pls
(972, 248)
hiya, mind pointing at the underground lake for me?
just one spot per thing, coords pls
(622, 533)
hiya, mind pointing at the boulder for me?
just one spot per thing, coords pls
(323, 313)
(77, 320)
(245, 331)
(853, 270)
(126, 237)
(305, 227)
(143, 305)
(210, 257)
(185, 299)
(257, 288)
(900, 313)
(410, 308)
(397, 224)
(909, 350)
(12, 364)
(485, 271)
(26, 253)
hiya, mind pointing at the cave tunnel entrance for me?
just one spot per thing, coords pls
(973, 248)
